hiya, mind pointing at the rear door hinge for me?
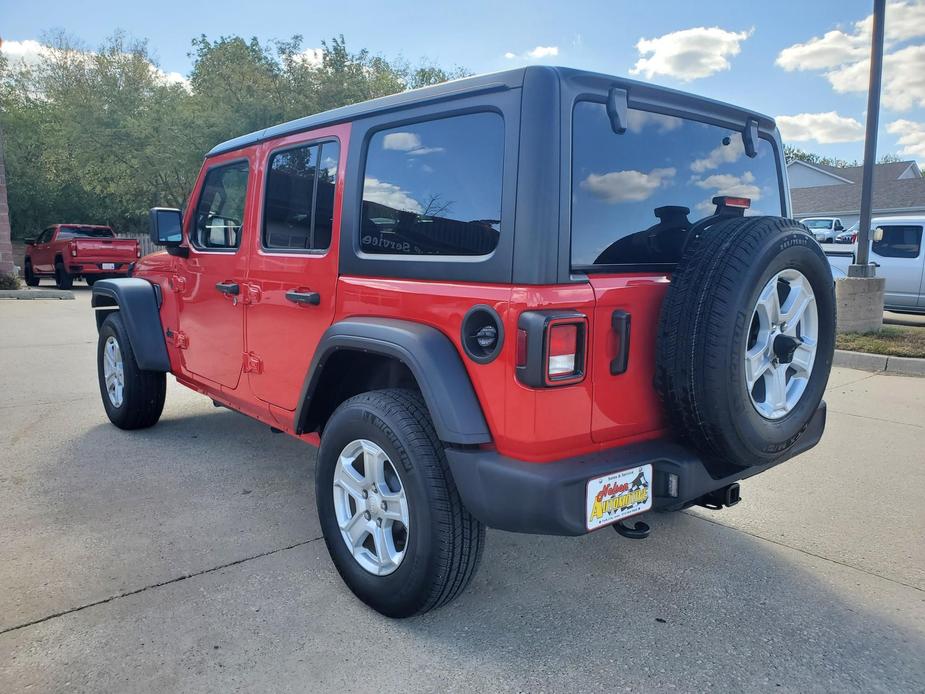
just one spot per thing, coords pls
(251, 293)
(177, 338)
(252, 363)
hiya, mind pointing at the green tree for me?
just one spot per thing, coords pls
(101, 136)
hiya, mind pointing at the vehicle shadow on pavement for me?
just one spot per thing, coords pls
(213, 495)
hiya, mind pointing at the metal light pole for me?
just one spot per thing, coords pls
(863, 268)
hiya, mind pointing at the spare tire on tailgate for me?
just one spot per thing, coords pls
(746, 338)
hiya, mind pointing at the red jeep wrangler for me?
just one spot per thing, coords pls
(66, 251)
(543, 300)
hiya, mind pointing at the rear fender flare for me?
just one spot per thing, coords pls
(429, 355)
(138, 301)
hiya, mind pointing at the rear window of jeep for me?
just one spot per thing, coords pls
(635, 194)
(434, 187)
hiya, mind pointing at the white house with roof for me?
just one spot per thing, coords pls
(817, 190)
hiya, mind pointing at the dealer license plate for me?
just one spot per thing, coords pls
(618, 495)
(108, 266)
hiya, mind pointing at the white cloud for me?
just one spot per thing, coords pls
(403, 142)
(26, 53)
(832, 49)
(722, 154)
(407, 142)
(30, 53)
(313, 57)
(536, 54)
(626, 186)
(911, 138)
(390, 195)
(903, 78)
(729, 184)
(688, 54)
(638, 120)
(844, 56)
(822, 127)
(904, 20)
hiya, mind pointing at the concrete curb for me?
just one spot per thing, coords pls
(905, 366)
(29, 294)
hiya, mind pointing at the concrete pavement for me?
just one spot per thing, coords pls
(187, 558)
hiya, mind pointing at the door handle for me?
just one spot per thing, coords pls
(228, 288)
(620, 324)
(309, 298)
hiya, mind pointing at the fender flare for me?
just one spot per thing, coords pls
(429, 355)
(138, 301)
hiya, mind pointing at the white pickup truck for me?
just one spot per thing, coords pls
(896, 248)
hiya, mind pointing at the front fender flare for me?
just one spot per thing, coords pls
(432, 360)
(138, 303)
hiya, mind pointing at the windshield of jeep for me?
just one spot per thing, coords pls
(636, 194)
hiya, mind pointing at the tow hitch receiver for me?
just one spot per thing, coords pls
(725, 496)
(639, 531)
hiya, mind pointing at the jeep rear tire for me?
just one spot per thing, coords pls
(392, 519)
(746, 339)
(133, 399)
(63, 279)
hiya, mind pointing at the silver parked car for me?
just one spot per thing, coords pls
(896, 247)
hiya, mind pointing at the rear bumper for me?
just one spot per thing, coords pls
(80, 267)
(549, 498)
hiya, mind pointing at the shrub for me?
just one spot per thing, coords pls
(9, 281)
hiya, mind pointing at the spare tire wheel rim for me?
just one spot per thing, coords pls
(371, 507)
(781, 345)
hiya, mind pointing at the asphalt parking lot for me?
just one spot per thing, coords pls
(188, 558)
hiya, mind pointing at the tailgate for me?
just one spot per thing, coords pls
(118, 250)
(625, 404)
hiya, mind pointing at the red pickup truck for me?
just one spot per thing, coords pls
(66, 251)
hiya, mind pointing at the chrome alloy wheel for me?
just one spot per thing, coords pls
(782, 342)
(371, 507)
(113, 371)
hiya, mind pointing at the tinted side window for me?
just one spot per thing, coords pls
(900, 241)
(220, 211)
(299, 207)
(434, 188)
(635, 195)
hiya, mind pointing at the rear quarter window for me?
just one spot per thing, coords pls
(434, 187)
(635, 195)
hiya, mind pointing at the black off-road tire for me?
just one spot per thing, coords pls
(144, 391)
(703, 332)
(444, 543)
(63, 279)
(30, 277)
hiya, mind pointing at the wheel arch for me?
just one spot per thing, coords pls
(138, 302)
(372, 353)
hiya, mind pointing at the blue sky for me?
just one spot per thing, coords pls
(780, 58)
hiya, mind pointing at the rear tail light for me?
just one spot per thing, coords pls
(551, 348)
(563, 350)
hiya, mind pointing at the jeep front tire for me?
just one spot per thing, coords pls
(133, 399)
(392, 519)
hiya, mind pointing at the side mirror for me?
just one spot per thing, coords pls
(166, 226)
(839, 226)
(29, 242)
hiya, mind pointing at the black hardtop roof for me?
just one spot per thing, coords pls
(496, 81)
